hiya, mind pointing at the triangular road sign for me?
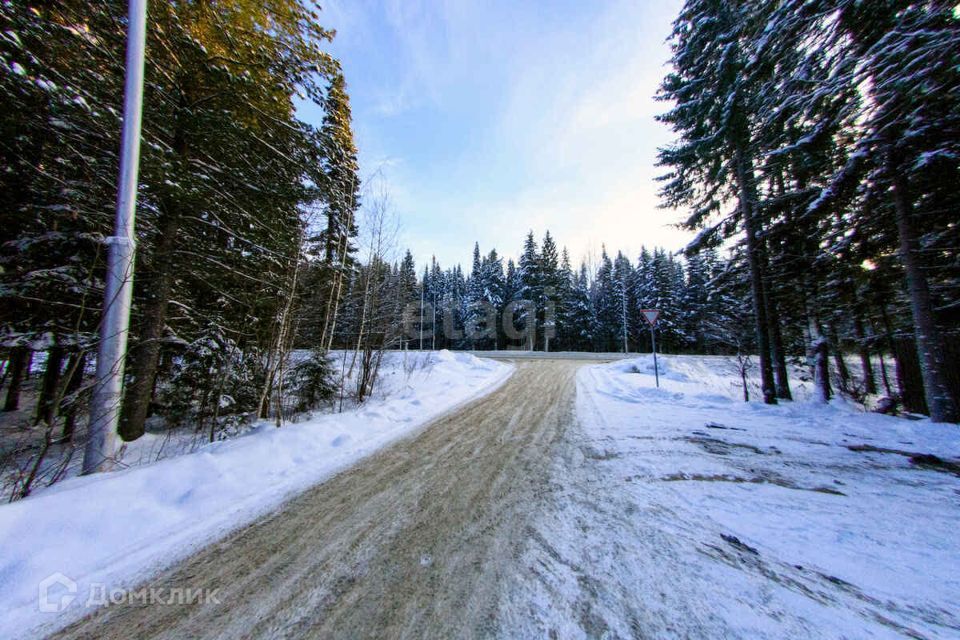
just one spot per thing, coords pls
(651, 315)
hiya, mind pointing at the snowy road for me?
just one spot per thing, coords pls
(413, 542)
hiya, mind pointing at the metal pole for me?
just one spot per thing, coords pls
(433, 325)
(653, 343)
(115, 323)
(421, 316)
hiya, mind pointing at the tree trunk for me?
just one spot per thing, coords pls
(821, 368)
(263, 406)
(869, 381)
(777, 353)
(336, 288)
(817, 352)
(888, 336)
(18, 366)
(843, 373)
(47, 404)
(747, 194)
(75, 369)
(909, 375)
(281, 346)
(742, 368)
(930, 345)
(146, 355)
(884, 375)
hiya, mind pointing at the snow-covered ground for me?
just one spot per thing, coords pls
(685, 512)
(673, 512)
(116, 529)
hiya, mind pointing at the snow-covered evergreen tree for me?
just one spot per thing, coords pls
(550, 291)
(529, 291)
(713, 158)
(607, 304)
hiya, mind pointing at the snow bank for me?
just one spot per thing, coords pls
(829, 523)
(116, 529)
(645, 364)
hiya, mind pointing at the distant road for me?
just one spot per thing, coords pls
(507, 354)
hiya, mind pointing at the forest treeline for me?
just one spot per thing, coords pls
(823, 138)
(542, 302)
(816, 152)
(240, 204)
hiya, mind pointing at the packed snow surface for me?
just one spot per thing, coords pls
(682, 511)
(116, 529)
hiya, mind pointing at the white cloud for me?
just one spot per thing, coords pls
(570, 142)
(581, 125)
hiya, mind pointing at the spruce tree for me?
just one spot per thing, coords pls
(713, 158)
(566, 322)
(607, 303)
(582, 315)
(530, 290)
(550, 286)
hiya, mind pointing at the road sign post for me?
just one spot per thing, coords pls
(651, 316)
(653, 343)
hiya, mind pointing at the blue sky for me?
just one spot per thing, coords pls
(487, 119)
